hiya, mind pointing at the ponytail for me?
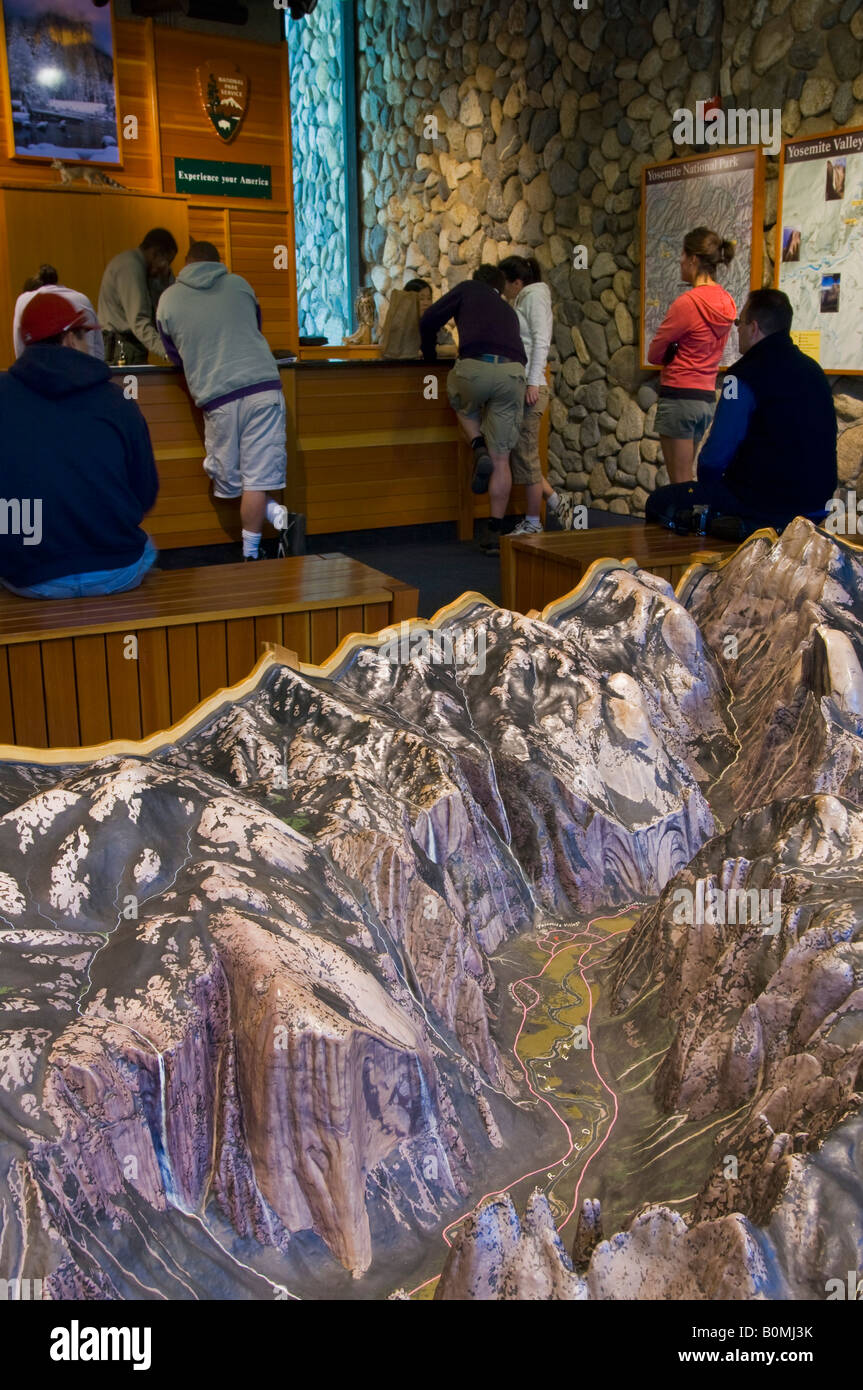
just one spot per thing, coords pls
(525, 268)
(710, 249)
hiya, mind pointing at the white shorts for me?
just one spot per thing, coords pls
(245, 442)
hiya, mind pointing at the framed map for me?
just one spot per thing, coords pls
(819, 245)
(724, 192)
(59, 57)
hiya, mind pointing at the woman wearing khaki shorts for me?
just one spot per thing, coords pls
(531, 300)
(689, 344)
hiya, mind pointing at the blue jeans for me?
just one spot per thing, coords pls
(93, 582)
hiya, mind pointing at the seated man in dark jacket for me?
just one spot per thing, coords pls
(78, 473)
(771, 452)
(487, 384)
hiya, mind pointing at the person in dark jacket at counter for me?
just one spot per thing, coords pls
(78, 467)
(487, 384)
(771, 451)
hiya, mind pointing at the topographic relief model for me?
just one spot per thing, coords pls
(520, 962)
(821, 267)
(721, 200)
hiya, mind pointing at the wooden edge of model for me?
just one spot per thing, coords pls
(701, 566)
(273, 656)
(283, 657)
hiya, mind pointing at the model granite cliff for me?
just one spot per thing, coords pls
(379, 979)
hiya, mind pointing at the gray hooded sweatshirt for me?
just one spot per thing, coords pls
(210, 324)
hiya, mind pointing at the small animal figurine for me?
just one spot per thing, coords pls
(366, 313)
(70, 173)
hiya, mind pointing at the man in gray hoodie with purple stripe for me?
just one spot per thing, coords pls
(210, 324)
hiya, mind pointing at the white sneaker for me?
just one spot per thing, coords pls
(526, 528)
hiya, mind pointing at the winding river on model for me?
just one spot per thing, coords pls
(591, 1072)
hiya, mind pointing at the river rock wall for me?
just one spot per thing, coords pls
(546, 115)
(320, 218)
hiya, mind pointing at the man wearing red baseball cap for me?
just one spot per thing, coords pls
(52, 317)
(78, 468)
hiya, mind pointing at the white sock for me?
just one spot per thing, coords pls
(552, 501)
(251, 541)
(533, 519)
(277, 514)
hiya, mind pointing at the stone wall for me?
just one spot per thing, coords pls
(546, 116)
(320, 221)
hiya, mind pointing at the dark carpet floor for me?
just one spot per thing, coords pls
(432, 557)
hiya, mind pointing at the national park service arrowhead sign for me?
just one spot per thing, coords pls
(225, 94)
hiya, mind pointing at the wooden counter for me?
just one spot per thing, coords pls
(366, 449)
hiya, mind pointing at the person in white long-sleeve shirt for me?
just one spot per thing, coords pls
(47, 280)
(531, 300)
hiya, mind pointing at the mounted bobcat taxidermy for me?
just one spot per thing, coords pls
(71, 173)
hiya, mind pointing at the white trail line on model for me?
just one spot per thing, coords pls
(565, 943)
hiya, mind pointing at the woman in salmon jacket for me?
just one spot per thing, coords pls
(689, 344)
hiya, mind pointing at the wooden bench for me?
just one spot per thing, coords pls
(82, 671)
(537, 569)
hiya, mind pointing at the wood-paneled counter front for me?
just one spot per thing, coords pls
(535, 570)
(368, 446)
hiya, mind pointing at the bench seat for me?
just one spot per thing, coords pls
(70, 676)
(537, 569)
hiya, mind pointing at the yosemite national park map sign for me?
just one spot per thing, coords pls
(819, 245)
(719, 191)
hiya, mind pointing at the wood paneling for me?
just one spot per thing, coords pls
(153, 679)
(126, 218)
(122, 659)
(58, 675)
(70, 675)
(257, 239)
(211, 224)
(212, 655)
(371, 450)
(28, 695)
(91, 684)
(185, 128)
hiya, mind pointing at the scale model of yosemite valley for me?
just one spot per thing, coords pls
(381, 982)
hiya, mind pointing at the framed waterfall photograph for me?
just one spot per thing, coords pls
(60, 88)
